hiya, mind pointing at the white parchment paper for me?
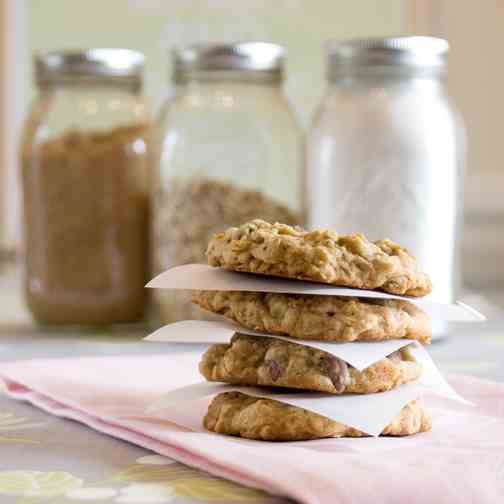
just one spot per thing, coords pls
(203, 277)
(360, 355)
(369, 413)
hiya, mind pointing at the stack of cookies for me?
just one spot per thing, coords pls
(351, 261)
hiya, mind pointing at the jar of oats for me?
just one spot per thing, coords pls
(85, 188)
(228, 150)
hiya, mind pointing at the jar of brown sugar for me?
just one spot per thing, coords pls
(85, 187)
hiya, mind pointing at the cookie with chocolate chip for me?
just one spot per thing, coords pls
(258, 360)
(237, 414)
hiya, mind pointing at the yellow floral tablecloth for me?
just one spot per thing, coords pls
(47, 460)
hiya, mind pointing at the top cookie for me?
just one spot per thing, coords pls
(318, 256)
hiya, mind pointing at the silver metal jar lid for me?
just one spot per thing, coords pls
(122, 66)
(263, 60)
(426, 54)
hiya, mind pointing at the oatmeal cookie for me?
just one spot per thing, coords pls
(258, 360)
(325, 318)
(319, 256)
(237, 414)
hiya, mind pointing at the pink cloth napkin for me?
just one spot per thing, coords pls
(461, 460)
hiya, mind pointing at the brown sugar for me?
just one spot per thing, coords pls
(86, 226)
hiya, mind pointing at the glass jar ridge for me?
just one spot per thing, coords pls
(244, 61)
(413, 55)
(100, 65)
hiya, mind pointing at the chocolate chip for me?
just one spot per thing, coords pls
(274, 369)
(337, 370)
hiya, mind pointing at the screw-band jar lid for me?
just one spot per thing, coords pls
(427, 54)
(122, 66)
(264, 60)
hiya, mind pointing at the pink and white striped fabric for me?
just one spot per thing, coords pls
(460, 461)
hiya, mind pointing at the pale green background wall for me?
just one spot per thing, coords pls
(152, 26)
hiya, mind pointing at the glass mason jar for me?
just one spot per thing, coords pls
(386, 150)
(229, 150)
(85, 189)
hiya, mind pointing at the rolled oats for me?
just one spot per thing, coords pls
(187, 214)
